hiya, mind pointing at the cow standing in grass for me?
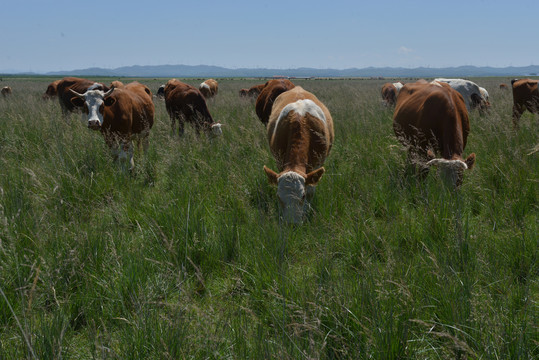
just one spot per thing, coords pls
(390, 92)
(209, 88)
(253, 91)
(432, 118)
(525, 97)
(186, 103)
(122, 115)
(52, 90)
(6, 91)
(300, 134)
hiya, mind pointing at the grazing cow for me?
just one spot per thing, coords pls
(267, 96)
(253, 91)
(504, 87)
(6, 90)
(122, 115)
(434, 117)
(161, 92)
(470, 91)
(390, 92)
(525, 97)
(300, 134)
(79, 86)
(186, 103)
(52, 90)
(209, 88)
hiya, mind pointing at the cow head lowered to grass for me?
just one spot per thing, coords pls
(300, 134)
(433, 116)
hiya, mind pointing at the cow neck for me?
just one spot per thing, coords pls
(298, 146)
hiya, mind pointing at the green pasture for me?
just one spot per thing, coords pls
(185, 257)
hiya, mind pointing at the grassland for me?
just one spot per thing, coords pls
(186, 258)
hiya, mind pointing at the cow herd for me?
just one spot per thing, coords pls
(430, 118)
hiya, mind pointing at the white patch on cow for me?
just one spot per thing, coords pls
(216, 130)
(484, 93)
(465, 87)
(301, 107)
(457, 164)
(204, 85)
(398, 86)
(291, 193)
(94, 86)
(436, 83)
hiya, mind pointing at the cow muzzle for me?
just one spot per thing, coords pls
(94, 124)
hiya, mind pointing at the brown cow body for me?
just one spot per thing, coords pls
(52, 90)
(504, 87)
(78, 85)
(525, 97)
(209, 88)
(122, 115)
(253, 91)
(300, 134)
(434, 117)
(271, 90)
(186, 103)
(6, 90)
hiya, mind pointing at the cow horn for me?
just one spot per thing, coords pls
(449, 163)
(77, 94)
(109, 92)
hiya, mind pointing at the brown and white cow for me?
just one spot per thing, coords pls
(504, 86)
(6, 90)
(432, 118)
(186, 103)
(390, 92)
(79, 86)
(122, 115)
(525, 97)
(209, 88)
(52, 90)
(300, 134)
(117, 84)
(161, 92)
(253, 91)
(271, 90)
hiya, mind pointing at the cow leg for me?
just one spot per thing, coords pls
(517, 113)
(181, 126)
(125, 154)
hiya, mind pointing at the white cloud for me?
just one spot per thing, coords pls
(405, 50)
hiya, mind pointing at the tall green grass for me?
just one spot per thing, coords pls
(186, 256)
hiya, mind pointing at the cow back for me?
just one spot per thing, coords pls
(264, 103)
(76, 84)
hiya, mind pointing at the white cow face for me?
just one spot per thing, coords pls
(292, 189)
(291, 194)
(93, 102)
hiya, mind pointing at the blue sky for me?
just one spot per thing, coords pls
(46, 35)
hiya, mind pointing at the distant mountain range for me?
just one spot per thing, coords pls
(204, 71)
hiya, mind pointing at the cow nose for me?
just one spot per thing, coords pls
(93, 124)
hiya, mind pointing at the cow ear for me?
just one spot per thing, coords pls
(109, 101)
(314, 176)
(77, 101)
(470, 161)
(272, 175)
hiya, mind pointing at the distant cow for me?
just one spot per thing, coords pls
(269, 93)
(525, 97)
(473, 96)
(122, 115)
(504, 87)
(161, 92)
(390, 92)
(209, 88)
(300, 134)
(253, 91)
(117, 84)
(52, 90)
(432, 118)
(79, 86)
(186, 103)
(6, 90)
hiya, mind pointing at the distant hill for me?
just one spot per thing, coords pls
(204, 71)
